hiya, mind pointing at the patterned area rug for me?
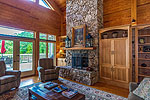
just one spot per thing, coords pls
(90, 93)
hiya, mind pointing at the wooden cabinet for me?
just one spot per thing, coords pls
(115, 53)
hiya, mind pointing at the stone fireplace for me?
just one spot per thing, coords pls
(80, 60)
(79, 12)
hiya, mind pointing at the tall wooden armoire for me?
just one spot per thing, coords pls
(115, 55)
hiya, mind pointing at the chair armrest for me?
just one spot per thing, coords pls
(57, 69)
(41, 69)
(14, 72)
(132, 86)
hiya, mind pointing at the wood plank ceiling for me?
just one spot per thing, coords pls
(61, 4)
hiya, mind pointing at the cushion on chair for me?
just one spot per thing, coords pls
(7, 78)
(2, 68)
(143, 89)
(50, 71)
(46, 63)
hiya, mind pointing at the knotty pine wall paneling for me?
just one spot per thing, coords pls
(28, 15)
(143, 11)
(117, 12)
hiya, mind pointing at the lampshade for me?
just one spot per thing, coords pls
(61, 51)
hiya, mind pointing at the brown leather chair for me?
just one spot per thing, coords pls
(47, 71)
(8, 79)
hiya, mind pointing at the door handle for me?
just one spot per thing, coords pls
(111, 68)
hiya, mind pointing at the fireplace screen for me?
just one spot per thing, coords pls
(80, 61)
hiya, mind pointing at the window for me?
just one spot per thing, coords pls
(13, 32)
(47, 46)
(7, 53)
(44, 4)
(47, 37)
(43, 36)
(51, 37)
(42, 50)
(51, 50)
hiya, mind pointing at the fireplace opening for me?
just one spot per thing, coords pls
(80, 61)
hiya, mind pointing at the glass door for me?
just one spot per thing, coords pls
(26, 58)
(42, 50)
(6, 53)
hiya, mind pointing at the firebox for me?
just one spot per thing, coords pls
(80, 61)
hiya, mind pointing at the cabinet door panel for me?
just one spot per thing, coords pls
(106, 52)
(106, 71)
(120, 74)
(121, 60)
(120, 52)
(106, 59)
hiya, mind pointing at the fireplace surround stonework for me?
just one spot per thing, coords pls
(89, 12)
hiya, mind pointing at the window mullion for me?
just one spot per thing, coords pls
(47, 49)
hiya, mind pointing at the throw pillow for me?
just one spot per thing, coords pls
(143, 90)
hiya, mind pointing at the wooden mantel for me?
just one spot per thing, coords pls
(80, 48)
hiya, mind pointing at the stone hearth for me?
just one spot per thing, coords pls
(82, 76)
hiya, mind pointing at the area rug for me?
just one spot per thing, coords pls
(90, 93)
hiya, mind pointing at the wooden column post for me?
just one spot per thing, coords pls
(133, 12)
(57, 47)
(36, 52)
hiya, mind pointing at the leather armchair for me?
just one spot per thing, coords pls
(46, 70)
(8, 79)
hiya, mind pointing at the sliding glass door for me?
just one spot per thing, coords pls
(26, 58)
(18, 55)
(26, 63)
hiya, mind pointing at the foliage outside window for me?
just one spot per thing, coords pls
(42, 50)
(8, 46)
(50, 37)
(13, 32)
(43, 36)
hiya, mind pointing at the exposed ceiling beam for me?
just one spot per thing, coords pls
(54, 6)
(134, 12)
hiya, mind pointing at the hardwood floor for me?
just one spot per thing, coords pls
(101, 86)
(29, 80)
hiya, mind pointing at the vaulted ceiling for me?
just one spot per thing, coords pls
(61, 4)
(60, 7)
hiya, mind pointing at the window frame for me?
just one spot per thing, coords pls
(48, 41)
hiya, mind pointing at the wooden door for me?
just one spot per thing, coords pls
(121, 60)
(106, 65)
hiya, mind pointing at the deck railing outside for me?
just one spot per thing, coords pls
(25, 61)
